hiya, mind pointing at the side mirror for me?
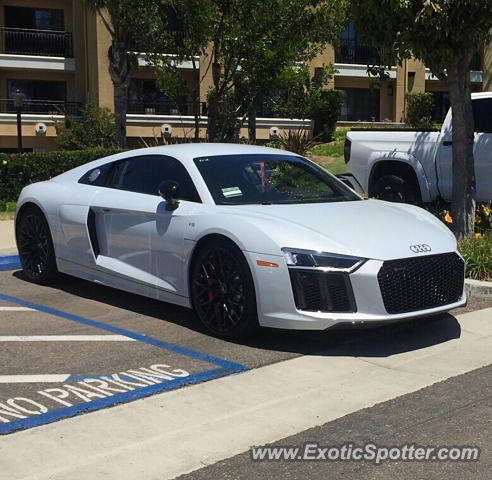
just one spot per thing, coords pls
(169, 191)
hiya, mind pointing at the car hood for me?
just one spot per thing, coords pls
(366, 228)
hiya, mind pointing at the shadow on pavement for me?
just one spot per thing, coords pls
(355, 341)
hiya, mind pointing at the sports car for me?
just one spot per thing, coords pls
(247, 236)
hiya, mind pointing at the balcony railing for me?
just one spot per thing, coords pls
(164, 107)
(350, 51)
(46, 107)
(175, 37)
(47, 43)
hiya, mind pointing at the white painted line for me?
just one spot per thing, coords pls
(17, 309)
(208, 422)
(66, 338)
(34, 378)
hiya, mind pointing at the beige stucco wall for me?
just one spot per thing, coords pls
(99, 81)
(325, 58)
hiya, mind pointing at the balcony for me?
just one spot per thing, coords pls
(45, 107)
(352, 52)
(46, 43)
(164, 107)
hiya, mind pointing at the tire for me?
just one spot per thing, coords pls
(393, 188)
(222, 290)
(36, 253)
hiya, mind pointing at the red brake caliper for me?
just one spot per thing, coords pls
(210, 292)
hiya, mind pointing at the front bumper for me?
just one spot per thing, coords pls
(277, 308)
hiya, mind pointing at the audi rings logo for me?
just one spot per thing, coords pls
(420, 248)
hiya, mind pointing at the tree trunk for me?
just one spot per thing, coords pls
(252, 124)
(196, 99)
(464, 188)
(213, 112)
(120, 70)
(213, 105)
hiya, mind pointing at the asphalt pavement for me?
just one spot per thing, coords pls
(455, 412)
(95, 382)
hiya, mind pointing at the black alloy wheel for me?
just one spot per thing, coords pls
(222, 290)
(35, 245)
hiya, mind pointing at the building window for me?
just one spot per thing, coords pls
(35, 31)
(360, 104)
(145, 97)
(38, 89)
(34, 18)
(351, 51)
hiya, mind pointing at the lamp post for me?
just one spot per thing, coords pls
(18, 101)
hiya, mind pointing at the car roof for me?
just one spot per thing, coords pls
(481, 95)
(189, 151)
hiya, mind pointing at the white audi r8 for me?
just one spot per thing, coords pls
(244, 235)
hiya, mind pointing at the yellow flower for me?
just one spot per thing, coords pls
(477, 236)
(486, 210)
(447, 218)
(478, 219)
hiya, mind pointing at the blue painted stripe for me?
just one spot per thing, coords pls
(65, 412)
(10, 262)
(136, 336)
(225, 368)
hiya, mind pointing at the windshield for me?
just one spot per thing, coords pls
(269, 179)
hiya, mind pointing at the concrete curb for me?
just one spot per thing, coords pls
(478, 289)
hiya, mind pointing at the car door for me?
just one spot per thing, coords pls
(482, 116)
(132, 234)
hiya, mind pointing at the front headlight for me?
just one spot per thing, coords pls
(321, 260)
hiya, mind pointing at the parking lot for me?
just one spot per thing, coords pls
(77, 347)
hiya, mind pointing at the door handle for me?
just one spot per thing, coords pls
(447, 143)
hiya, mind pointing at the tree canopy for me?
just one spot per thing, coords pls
(134, 27)
(445, 35)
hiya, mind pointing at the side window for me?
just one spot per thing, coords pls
(144, 174)
(482, 114)
(96, 176)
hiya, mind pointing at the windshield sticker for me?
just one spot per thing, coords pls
(231, 192)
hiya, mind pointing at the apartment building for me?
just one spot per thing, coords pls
(55, 55)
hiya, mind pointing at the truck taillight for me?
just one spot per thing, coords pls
(346, 150)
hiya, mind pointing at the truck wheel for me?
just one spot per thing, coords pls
(393, 188)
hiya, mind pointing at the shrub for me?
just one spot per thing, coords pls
(308, 97)
(477, 253)
(483, 218)
(95, 129)
(325, 106)
(419, 110)
(20, 169)
(296, 141)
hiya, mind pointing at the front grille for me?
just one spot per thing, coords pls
(413, 284)
(322, 291)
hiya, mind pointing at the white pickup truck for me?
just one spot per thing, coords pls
(416, 166)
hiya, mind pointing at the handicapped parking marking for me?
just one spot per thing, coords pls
(102, 391)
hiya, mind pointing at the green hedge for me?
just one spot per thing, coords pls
(20, 169)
